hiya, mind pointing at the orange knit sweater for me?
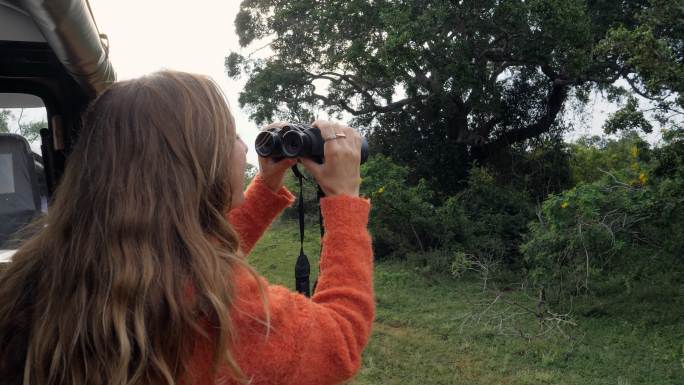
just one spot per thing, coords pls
(316, 341)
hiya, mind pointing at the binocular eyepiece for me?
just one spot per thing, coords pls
(296, 140)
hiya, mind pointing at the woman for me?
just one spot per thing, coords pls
(137, 274)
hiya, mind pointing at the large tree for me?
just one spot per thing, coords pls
(438, 83)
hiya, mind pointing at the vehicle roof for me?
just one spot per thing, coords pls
(17, 100)
(69, 28)
(17, 25)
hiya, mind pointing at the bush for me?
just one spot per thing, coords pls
(402, 217)
(538, 167)
(624, 227)
(593, 156)
(586, 231)
(486, 219)
(668, 181)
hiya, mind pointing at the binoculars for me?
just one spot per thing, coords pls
(296, 140)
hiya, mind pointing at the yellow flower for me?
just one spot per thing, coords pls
(643, 178)
(381, 190)
(634, 151)
(565, 205)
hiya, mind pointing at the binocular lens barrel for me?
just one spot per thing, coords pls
(266, 142)
(294, 144)
(296, 140)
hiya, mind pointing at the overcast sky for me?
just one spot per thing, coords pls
(196, 36)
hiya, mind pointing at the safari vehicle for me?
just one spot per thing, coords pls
(51, 55)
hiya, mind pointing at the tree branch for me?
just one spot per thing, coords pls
(342, 77)
(394, 106)
(639, 92)
(554, 103)
(341, 103)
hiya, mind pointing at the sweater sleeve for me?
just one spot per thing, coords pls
(336, 323)
(261, 206)
(318, 340)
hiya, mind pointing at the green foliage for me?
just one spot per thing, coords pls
(649, 56)
(437, 84)
(669, 158)
(402, 219)
(250, 172)
(31, 130)
(588, 230)
(592, 157)
(486, 221)
(538, 167)
(5, 115)
(621, 227)
(232, 64)
(628, 118)
(668, 181)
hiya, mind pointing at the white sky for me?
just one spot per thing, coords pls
(149, 35)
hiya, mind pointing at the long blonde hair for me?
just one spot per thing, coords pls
(132, 265)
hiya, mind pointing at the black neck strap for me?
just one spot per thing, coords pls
(320, 194)
(302, 267)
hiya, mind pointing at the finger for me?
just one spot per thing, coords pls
(325, 127)
(279, 124)
(276, 164)
(356, 137)
(346, 141)
(351, 133)
(312, 167)
(284, 164)
(327, 131)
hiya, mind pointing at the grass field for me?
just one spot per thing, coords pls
(441, 330)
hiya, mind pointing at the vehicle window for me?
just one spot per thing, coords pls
(23, 187)
(23, 114)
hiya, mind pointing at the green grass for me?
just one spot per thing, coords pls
(440, 330)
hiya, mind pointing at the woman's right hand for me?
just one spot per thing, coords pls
(340, 174)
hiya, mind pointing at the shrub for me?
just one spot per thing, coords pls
(485, 220)
(402, 217)
(588, 230)
(539, 166)
(496, 218)
(624, 227)
(593, 156)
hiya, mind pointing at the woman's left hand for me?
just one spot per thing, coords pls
(272, 172)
